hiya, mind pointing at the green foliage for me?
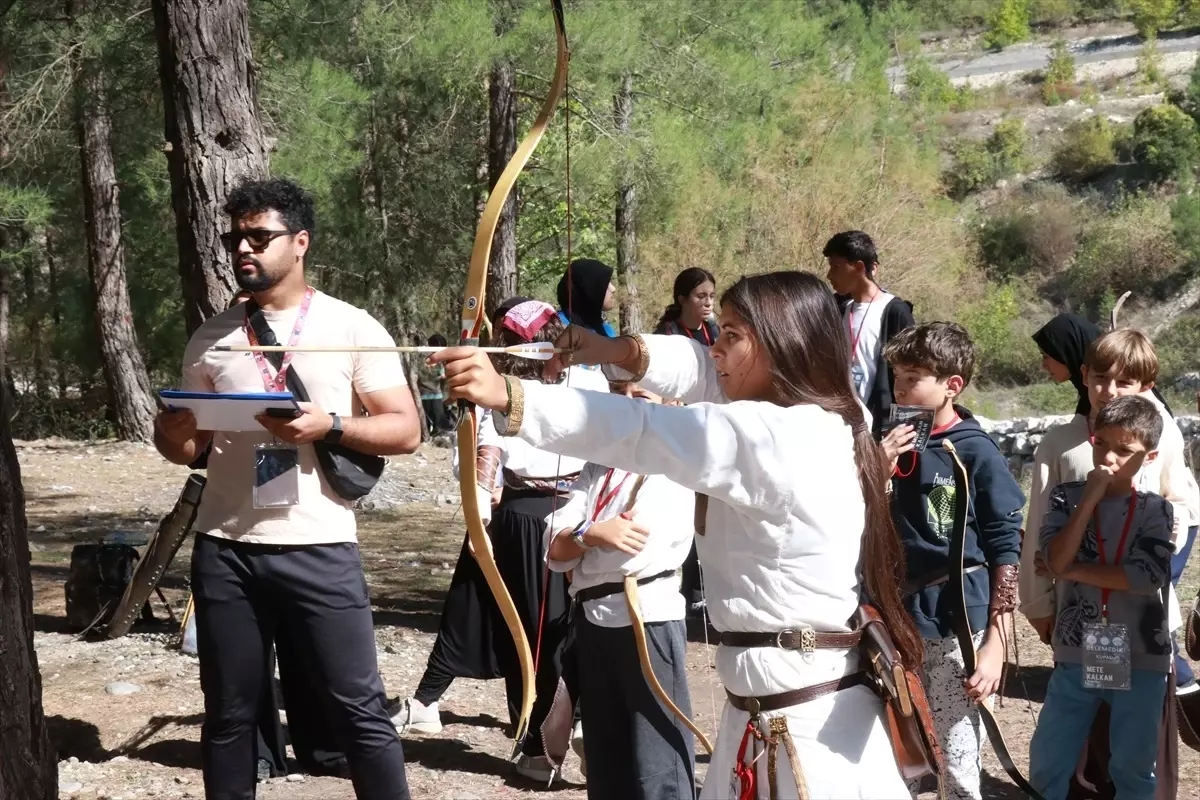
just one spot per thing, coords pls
(1149, 66)
(1005, 349)
(1058, 83)
(978, 164)
(1189, 98)
(1165, 142)
(1185, 224)
(1034, 233)
(1007, 24)
(1133, 246)
(928, 86)
(1087, 148)
(1177, 347)
(1151, 16)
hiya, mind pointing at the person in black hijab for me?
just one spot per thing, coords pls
(585, 292)
(1064, 341)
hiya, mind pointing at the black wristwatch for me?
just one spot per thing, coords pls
(335, 433)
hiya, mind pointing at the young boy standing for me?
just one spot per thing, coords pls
(1109, 547)
(617, 524)
(871, 316)
(932, 364)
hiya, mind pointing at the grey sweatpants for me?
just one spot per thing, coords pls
(636, 749)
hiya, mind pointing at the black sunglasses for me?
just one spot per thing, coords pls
(259, 239)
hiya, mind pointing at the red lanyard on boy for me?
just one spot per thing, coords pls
(279, 382)
(854, 337)
(606, 497)
(1104, 593)
(935, 432)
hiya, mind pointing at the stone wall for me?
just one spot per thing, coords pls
(1018, 438)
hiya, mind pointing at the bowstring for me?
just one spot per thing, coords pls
(570, 307)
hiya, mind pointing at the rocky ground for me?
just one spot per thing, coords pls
(125, 715)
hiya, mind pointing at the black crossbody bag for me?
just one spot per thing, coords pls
(350, 474)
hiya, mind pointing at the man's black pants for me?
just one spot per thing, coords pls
(319, 593)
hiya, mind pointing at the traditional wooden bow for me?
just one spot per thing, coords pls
(962, 626)
(473, 320)
(634, 604)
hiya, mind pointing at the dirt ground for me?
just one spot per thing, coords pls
(146, 744)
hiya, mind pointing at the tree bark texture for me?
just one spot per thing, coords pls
(631, 317)
(502, 144)
(29, 764)
(214, 136)
(5, 319)
(131, 407)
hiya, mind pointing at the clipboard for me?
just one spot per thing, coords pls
(229, 412)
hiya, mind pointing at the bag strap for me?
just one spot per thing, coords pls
(266, 336)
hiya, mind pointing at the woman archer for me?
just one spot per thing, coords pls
(784, 534)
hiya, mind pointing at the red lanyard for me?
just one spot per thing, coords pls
(854, 337)
(279, 382)
(703, 329)
(606, 497)
(1104, 593)
(935, 432)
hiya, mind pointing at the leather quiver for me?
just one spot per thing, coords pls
(906, 708)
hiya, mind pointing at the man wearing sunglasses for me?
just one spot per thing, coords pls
(276, 545)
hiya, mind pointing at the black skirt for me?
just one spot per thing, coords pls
(473, 640)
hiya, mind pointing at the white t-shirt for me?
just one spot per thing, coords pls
(864, 323)
(333, 380)
(665, 508)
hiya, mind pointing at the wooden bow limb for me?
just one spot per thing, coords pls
(473, 322)
(961, 623)
(1116, 309)
(633, 602)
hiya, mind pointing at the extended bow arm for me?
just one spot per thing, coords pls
(961, 623)
(473, 321)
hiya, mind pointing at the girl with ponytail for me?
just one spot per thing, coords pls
(795, 531)
(691, 310)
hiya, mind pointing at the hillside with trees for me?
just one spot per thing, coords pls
(731, 135)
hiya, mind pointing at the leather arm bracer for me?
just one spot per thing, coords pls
(1005, 580)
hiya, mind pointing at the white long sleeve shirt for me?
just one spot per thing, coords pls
(785, 513)
(663, 507)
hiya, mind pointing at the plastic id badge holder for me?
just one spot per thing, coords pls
(1106, 657)
(276, 475)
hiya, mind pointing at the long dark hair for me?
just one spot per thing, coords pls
(796, 321)
(685, 283)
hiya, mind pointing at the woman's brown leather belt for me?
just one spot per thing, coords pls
(805, 639)
(774, 702)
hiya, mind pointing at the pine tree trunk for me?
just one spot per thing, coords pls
(631, 318)
(33, 325)
(502, 143)
(131, 406)
(60, 367)
(29, 766)
(214, 136)
(4, 317)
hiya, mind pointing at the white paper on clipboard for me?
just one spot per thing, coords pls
(227, 412)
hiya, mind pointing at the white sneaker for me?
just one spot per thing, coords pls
(537, 768)
(413, 715)
(577, 746)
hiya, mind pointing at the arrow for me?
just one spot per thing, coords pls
(542, 351)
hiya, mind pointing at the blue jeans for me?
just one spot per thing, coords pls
(1066, 718)
(1183, 670)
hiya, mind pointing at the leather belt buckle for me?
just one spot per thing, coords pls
(808, 640)
(753, 707)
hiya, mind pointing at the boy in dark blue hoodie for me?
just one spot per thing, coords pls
(932, 364)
